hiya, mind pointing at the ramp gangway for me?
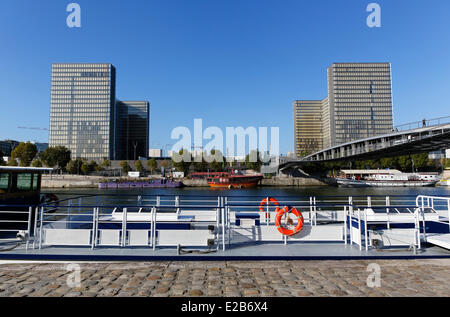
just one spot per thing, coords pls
(440, 240)
(442, 206)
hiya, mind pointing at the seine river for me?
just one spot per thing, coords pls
(261, 191)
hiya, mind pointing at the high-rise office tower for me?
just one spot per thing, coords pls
(308, 128)
(82, 109)
(132, 136)
(360, 101)
(86, 118)
(359, 105)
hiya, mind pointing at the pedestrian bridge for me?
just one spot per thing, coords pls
(412, 138)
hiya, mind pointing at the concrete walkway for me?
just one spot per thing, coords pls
(229, 279)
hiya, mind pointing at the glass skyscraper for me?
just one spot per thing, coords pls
(360, 101)
(86, 118)
(308, 127)
(132, 129)
(358, 106)
(82, 109)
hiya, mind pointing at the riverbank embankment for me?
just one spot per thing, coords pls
(81, 181)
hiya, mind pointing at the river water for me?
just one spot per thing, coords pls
(260, 191)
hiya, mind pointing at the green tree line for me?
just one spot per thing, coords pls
(185, 162)
(404, 163)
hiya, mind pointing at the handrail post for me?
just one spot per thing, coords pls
(345, 224)
(30, 213)
(388, 204)
(359, 231)
(36, 214)
(417, 228)
(448, 207)
(227, 210)
(154, 227)
(315, 210)
(223, 226)
(94, 227)
(40, 229)
(350, 202)
(365, 230)
(151, 226)
(69, 211)
(124, 227)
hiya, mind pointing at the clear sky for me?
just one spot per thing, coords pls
(229, 62)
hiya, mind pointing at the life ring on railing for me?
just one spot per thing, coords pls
(48, 199)
(285, 211)
(267, 201)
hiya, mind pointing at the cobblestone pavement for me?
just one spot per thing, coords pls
(229, 279)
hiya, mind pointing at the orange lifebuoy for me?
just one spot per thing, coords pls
(265, 201)
(289, 210)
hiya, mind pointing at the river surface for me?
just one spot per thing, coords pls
(261, 191)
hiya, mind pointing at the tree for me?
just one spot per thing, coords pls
(74, 166)
(106, 163)
(165, 164)
(12, 162)
(25, 153)
(139, 167)
(182, 161)
(404, 163)
(88, 167)
(216, 161)
(253, 161)
(421, 161)
(447, 163)
(125, 167)
(36, 163)
(152, 165)
(56, 156)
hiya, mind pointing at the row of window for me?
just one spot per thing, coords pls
(82, 92)
(65, 78)
(83, 100)
(22, 181)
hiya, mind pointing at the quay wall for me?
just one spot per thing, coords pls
(70, 181)
(195, 182)
(292, 181)
(78, 181)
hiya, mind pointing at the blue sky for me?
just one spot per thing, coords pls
(229, 62)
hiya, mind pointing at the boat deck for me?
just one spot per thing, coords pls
(224, 228)
(254, 251)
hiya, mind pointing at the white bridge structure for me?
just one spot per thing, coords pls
(411, 138)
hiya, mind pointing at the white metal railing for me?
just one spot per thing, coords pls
(423, 201)
(15, 224)
(90, 221)
(348, 213)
